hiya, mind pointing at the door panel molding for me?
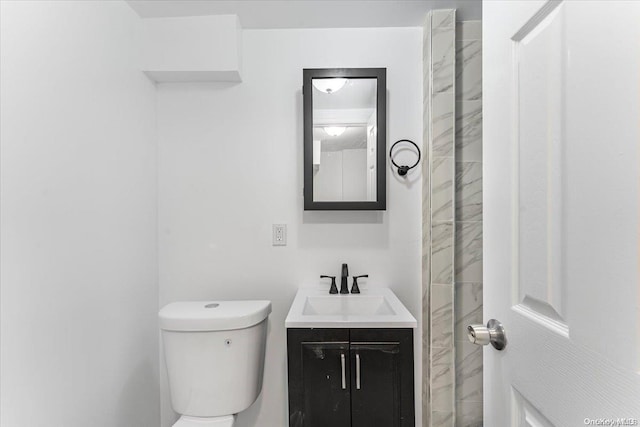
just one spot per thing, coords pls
(525, 414)
(539, 73)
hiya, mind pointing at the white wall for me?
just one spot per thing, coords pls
(354, 174)
(327, 176)
(231, 165)
(79, 289)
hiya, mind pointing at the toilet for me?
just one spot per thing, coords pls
(214, 352)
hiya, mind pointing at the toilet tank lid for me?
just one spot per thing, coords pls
(212, 315)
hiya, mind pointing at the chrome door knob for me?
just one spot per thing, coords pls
(492, 334)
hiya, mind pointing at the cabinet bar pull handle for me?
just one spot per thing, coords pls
(344, 375)
(357, 371)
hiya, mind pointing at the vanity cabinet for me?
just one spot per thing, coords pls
(350, 377)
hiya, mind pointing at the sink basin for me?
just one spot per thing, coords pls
(373, 308)
(356, 305)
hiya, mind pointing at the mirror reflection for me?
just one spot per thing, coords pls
(344, 139)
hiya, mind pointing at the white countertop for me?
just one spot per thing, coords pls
(373, 308)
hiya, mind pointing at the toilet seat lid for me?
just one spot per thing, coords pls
(213, 315)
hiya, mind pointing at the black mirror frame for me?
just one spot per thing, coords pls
(380, 74)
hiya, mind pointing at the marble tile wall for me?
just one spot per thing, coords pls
(468, 223)
(452, 220)
(426, 221)
(439, 218)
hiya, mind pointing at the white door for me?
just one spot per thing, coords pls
(561, 238)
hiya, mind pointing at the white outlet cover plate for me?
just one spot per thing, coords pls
(279, 235)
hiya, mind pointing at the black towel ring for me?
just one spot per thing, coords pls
(402, 170)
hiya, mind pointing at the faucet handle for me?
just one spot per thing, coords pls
(354, 288)
(334, 288)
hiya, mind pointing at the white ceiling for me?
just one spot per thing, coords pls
(311, 13)
(356, 93)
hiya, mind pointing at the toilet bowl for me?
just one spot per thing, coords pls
(214, 353)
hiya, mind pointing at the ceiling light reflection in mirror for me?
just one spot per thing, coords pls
(329, 85)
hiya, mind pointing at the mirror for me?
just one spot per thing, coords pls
(344, 139)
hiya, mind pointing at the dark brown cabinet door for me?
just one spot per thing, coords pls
(326, 382)
(350, 377)
(386, 394)
(375, 384)
(319, 377)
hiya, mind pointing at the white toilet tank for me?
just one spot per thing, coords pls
(214, 351)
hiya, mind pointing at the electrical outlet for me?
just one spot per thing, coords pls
(279, 235)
